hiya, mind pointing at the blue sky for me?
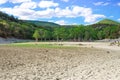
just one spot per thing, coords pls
(63, 11)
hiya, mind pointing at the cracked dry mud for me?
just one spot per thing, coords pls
(17, 63)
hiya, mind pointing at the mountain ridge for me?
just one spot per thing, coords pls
(108, 21)
(105, 23)
(42, 23)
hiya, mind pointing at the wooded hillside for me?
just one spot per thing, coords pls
(24, 29)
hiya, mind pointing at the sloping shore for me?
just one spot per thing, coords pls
(11, 40)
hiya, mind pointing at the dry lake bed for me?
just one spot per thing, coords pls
(90, 61)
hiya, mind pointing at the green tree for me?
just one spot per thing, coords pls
(101, 35)
(46, 34)
(76, 33)
(63, 33)
(90, 33)
(114, 32)
(56, 33)
(36, 35)
(73, 33)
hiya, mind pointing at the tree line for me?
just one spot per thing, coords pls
(25, 30)
(77, 33)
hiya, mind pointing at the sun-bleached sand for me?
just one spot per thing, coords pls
(86, 61)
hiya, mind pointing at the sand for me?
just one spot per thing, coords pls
(87, 61)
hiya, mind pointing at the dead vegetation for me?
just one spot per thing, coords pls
(115, 43)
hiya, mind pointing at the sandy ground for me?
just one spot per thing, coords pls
(88, 61)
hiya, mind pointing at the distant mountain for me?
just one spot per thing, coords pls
(11, 18)
(108, 21)
(42, 23)
(105, 23)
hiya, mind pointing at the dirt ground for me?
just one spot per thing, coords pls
(80, 63)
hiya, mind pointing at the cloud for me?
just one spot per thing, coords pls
(92, 18)
(63, 12)
(47, 13)
(65, 0)
(47, 4)
(61, 22)
(20, 13)
(119, 19)
(3, 1)
(27, 5)
(14, 1)
(18, 1)
(101, 3)
(118, 4)
(87, 14)
(28, 12)
(77, 11)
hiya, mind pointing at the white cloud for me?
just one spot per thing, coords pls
(77, 11)
(92, 18)
(119, 19)
(65, 0)
(47, 4)
(13, 1)
(69, 12)
(101, 3)
(19, 1)
(27, 5)
(48, 13)
(61, 22)
(3, 1)
(118, 4)
(20, 13)
(63, 12)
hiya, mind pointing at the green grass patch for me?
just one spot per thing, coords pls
(34, 45)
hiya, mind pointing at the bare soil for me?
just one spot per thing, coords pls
(80, 63)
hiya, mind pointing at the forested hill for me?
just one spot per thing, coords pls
(11, 26)
(6, 17)
(108, 21)
(11, 18)
(105, 23)
(24, 29)
(42, 23)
